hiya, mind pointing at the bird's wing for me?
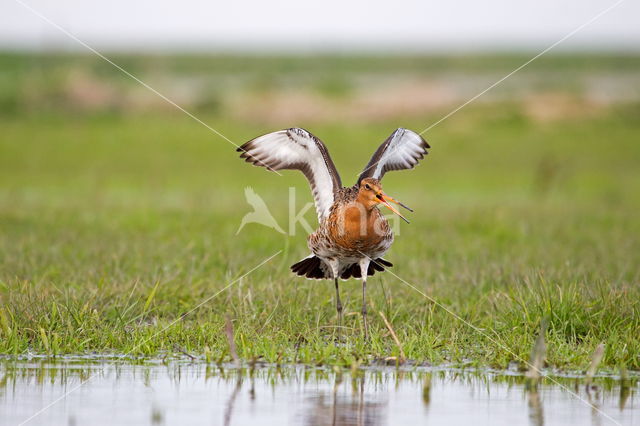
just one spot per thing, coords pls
(402, 150)
(297, 149)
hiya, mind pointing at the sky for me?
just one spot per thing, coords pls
(334, 25)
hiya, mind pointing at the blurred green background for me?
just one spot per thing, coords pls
(117, 209)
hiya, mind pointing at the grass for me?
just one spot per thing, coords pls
(114, 226)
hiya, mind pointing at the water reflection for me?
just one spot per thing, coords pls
(536, 413)
(344, 409)
(182, 392)
(232, 400)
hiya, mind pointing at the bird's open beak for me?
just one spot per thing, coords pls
(384, 199)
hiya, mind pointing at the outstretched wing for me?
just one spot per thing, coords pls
(402, 150)
(297, 149)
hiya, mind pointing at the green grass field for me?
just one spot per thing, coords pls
(115, 225)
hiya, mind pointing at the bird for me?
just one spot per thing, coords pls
(352, 235)
(260, 213)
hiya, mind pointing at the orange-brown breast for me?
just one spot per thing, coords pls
(352, 226)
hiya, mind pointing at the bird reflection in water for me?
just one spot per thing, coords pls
(536, 413)
(343, 408)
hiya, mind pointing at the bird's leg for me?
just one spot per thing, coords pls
(364, 308)
(338, 305)
(333, 265)
(364, 267)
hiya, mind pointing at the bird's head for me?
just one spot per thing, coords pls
(370, 194)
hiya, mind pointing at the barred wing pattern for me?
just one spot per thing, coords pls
(297, 149)
(403, 149)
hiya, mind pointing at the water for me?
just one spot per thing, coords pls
(178, 392)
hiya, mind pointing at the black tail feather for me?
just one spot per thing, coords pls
(310, 267)
(383, 262)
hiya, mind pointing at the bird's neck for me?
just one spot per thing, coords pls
(365, 202)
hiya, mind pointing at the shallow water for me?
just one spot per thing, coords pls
(111, 392)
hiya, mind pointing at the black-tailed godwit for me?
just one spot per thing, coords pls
(352, 235)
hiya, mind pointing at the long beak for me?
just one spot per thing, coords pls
(397, 202)
(384, 199)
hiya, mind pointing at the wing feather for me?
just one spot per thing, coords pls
(403, 149)
(297, 149)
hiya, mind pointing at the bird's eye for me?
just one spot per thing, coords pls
(367, 187)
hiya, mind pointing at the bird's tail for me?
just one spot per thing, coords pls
(312, 267)
(353, 270)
